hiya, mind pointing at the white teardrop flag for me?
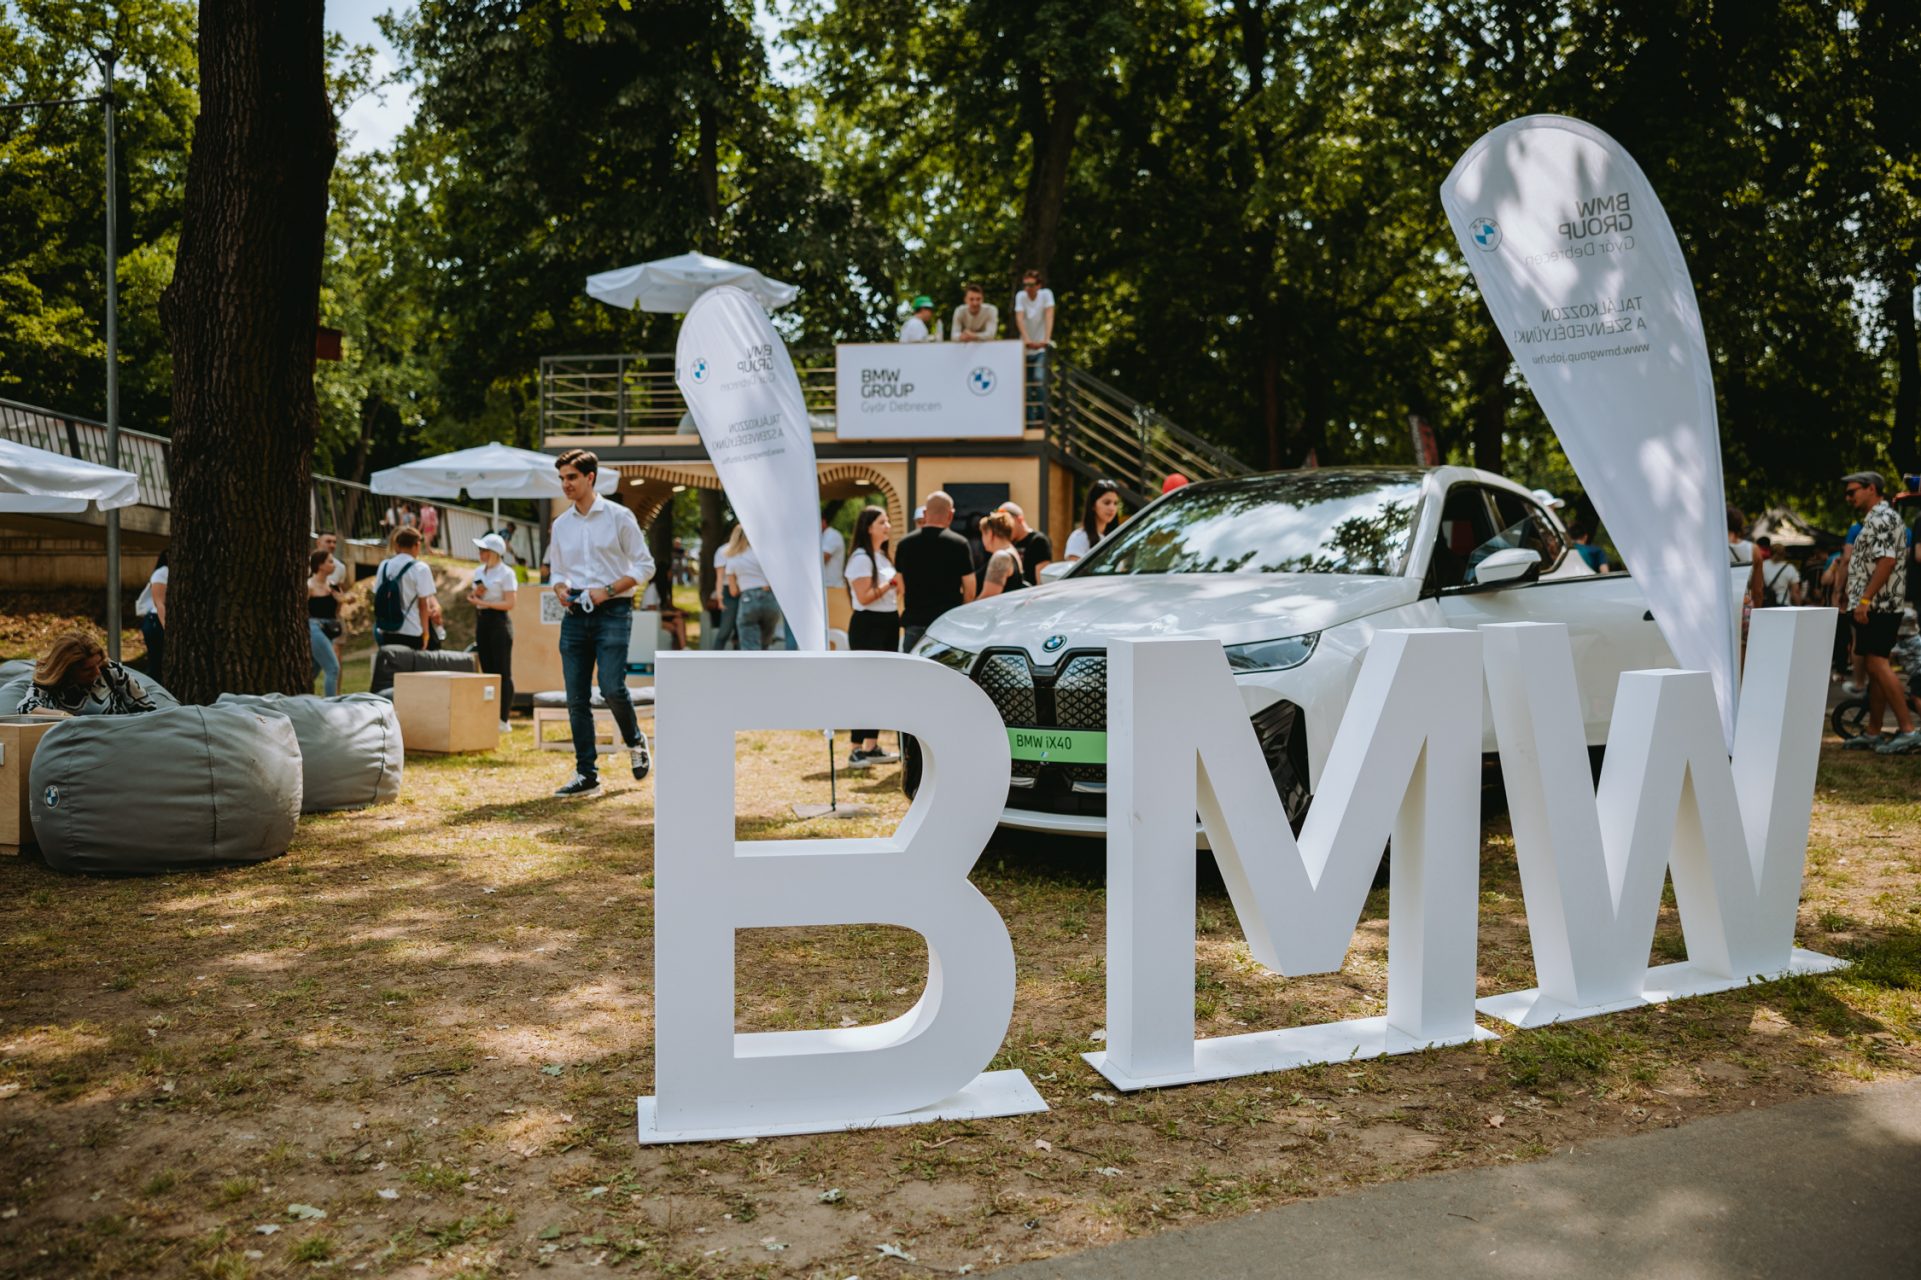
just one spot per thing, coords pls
(734, 372)
(1580, 269)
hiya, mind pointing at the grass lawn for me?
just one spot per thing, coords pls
(429, 1022)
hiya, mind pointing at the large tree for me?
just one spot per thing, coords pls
(241, 316)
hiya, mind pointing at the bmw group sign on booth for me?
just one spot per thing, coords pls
(929, 390)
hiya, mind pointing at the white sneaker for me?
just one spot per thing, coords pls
(505, 727)
(641, 757)
(1850, 688)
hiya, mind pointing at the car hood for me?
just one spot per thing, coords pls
(1233, 608)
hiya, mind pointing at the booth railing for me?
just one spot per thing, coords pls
(1090, 426)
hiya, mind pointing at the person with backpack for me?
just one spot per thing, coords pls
(1780, 580)
(404, 600)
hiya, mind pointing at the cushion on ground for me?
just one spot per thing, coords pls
(350, 752)
(184, 787)
(14, 669)
(13, 691)
(558, 697)
(393, 658)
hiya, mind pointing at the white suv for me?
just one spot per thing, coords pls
(1293, 572)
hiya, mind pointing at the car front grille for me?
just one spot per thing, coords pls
(1071, 694)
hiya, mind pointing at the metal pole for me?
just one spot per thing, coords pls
(113, 373)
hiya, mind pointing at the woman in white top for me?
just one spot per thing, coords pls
(492, 592)
(1002, 571)
(875, 624)
(1102, 513)
(756, 612)
(151, 610)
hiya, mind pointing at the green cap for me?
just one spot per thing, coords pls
(923, 301)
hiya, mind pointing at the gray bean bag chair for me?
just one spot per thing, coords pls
(14, 691)
(185, 787)
(392, 658)
(13, 670)
(350, 752)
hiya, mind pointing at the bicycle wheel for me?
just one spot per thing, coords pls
(1850, 718)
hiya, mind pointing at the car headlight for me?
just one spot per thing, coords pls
(945, 654)
(1272, 655)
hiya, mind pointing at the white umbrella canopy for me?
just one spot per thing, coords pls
(489, 471)
(36, 480)
(670, 285)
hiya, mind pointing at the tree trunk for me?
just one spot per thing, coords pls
(1047, 176)
(240, 317)
(1905, 444)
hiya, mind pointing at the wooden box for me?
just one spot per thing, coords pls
(448, 711)
(19, 735)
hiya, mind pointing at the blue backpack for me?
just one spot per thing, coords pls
(390, 611)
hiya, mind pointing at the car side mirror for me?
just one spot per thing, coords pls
(1508, 565)
(1055, 569)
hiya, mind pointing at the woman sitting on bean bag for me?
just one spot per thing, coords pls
(78, 678)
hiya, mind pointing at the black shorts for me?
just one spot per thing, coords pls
(1875, 637)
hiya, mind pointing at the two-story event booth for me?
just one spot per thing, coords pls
(892, 422)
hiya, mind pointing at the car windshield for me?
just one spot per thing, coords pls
(1299, 522)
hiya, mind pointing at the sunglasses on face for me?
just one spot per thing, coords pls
(1851, 490)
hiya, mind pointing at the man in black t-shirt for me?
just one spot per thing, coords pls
(1035, 548)
(936, 571)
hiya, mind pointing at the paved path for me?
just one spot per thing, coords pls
(1822, 1187)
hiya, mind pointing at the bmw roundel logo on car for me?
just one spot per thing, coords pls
(980, 380)
(1053, 643)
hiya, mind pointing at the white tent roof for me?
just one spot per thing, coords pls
(490, 471)
(670, 285)
(36, 480)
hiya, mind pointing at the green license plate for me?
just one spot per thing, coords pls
(1059, 746)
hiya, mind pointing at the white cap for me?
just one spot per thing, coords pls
(492, 542)
(1547, 499)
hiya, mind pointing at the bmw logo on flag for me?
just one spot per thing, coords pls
(1053, 643)
(51, 797)
(980, 380)
(1486, 233)
(700, 368)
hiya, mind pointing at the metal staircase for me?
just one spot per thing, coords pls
(1103, 433)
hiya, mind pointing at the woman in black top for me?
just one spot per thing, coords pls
(323, 620)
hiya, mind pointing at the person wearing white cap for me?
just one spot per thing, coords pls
(492, 594)
(1548, 500)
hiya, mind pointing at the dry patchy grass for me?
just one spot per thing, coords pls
(431, 1020)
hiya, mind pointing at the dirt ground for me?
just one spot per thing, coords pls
(429, 1023)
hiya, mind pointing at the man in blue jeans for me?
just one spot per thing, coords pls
(599, 560)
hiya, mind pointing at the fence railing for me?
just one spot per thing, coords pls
(143, 454)
(364, 518)
(355, 512)
(634, 396)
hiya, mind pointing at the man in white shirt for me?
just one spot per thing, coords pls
(916, 329)
(414, 602)
(599, 559)
(1034, 318)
